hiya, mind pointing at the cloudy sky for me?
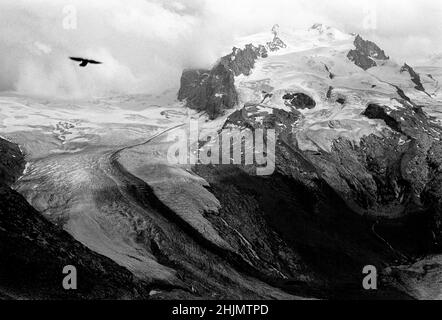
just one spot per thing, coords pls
(146, 43)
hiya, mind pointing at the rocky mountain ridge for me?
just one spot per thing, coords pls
(389, 176)
(214, 90)
(366, 53)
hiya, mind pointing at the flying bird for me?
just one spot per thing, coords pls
(85, 62)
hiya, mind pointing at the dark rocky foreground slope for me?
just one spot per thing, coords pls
(377, 203)
(34, 251)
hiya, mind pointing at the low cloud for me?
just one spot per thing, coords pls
(146, 43)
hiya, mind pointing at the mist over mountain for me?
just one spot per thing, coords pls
(146, 44)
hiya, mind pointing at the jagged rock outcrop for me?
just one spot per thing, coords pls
(369, 48)
(242, 61)
(414, 77)
(365, 53)
(361, 60)
(299, 100)
(211, 91)
(331, 75)
(276, 44)
(214, 90)
(34, 251)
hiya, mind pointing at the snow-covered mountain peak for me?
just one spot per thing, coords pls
(342, 73)
(296, 40)
(329, 32)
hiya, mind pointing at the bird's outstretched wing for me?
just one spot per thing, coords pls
(94, 62)
(76, 59)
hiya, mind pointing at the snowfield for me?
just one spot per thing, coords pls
(305, 66)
